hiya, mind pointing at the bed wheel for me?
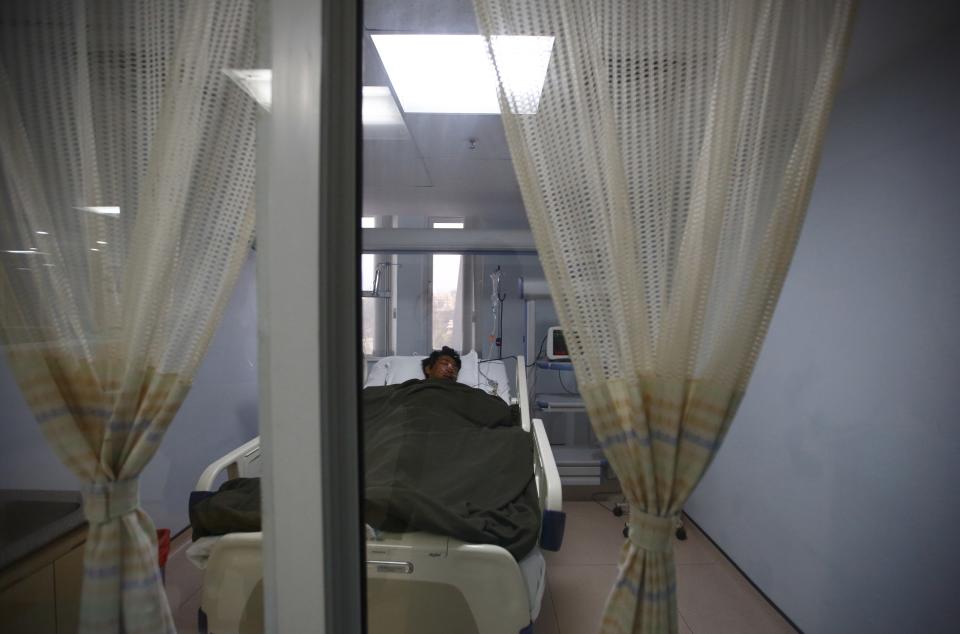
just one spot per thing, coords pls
(681, 533)
(626, 531)
(618, 510)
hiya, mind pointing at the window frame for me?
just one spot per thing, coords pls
(432, 223)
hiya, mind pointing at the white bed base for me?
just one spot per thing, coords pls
(416, 582)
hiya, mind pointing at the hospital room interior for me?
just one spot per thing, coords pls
(479, 316)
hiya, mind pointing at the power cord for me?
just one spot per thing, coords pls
(539, 352)
(565, 389)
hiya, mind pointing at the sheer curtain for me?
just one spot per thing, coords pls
(666, 172)
(126, 182)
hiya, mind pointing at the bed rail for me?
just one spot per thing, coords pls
(242, 462)
(551, 497)
(522, 394)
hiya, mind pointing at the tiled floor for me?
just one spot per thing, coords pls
(183, 585)
(713, 597)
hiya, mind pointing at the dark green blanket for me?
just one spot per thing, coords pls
(234, 508)
(447, 458)
(439, 456)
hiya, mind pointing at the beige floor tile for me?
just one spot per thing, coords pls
(546, 622)
(180, 539)
(696, 549)
(714, 602)
(183, 579)
(185, 616)
(579, 594)
(592, 536)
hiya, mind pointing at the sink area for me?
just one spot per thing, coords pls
(29, 520)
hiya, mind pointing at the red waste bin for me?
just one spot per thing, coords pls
(163, 551)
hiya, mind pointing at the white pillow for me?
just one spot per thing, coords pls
(402, 369)
(392, 370)
(378, 373)
(468, 369)
(494, 379)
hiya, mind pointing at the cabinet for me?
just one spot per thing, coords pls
(68, 577)
(28, 605)
(40, 594)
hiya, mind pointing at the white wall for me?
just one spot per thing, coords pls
(219, 414)
(836, 489)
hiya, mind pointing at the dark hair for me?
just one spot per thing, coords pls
(446, 351)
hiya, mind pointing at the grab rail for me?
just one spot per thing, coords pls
(402, 567)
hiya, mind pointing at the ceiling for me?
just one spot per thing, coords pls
(436, 173)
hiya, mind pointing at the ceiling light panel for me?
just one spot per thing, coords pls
(382, 120)
(256, 82)
(454, 74)
(103, 211)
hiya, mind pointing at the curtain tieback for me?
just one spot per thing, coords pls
(107, 501)
(651, 532)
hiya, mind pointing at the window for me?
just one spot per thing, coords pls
(446, 286)
(368, 267)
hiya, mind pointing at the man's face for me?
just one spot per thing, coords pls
(443, 368)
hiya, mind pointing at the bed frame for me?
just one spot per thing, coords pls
(416, 582)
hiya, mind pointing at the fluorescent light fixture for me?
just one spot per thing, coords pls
(256, 82)
(103, 211)
(448, 225)
(20, 268)
(381, 117)
(50, 265)
(24, 252)
(101, 242)
(382, 120)
(95, 249)
(454, 74)
(43, 233)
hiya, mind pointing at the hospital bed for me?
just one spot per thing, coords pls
(416, 582)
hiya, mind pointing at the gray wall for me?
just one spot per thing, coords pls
(219, 414)
(412, 299)
(835, 490)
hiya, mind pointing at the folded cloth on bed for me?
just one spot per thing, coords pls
(234, 508)
(450, 459)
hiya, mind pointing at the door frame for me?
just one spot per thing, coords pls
(308, 272)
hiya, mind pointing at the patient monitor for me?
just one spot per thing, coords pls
(557, 345)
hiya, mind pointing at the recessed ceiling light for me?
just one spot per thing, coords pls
(381, 117)
(94, 249)
(256, 82)
(454, 74)
(103, 211)
(43, 233)
(101, 242)
(24, 252)
(382, 120)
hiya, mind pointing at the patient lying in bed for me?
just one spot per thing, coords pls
(447, 458)
(443, 365)
(440, 457)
